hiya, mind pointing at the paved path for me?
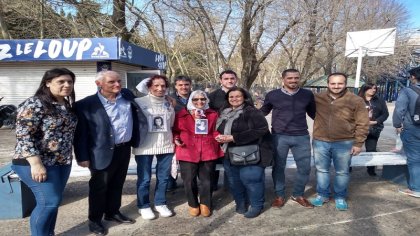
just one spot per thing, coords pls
(375, 209)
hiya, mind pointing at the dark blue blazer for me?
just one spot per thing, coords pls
(94, 139)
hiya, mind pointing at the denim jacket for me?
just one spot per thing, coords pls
(404, 107)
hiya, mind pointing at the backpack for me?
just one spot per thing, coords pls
(416, 115)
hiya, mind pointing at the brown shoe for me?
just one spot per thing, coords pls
(205, 210)
(278, 202)
(194, 211)
(302, 201)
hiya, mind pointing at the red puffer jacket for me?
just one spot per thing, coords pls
(198, 147)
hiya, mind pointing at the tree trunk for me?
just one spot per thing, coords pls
(118, 19)
(3, 26)
(312, 40)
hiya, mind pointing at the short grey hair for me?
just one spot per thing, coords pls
(106, 73)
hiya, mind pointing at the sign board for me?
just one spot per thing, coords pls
(75, 49)
(80, 49)
(372, 42)
(133, 54)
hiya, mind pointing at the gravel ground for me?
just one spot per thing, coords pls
(376, 208)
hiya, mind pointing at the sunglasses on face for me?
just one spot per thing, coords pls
(197, 99)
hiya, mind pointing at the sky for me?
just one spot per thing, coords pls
(413, 7)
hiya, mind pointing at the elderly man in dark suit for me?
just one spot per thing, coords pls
(110, 122)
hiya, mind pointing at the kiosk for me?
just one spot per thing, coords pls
(23, 63)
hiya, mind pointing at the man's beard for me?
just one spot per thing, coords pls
(337, 94)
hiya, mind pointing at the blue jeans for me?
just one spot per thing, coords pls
(246, 183)
(144, 175)
(47, 194)
(301, 150)
(410, 138)
(340, 154)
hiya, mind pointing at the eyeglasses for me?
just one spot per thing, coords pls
(201, 99)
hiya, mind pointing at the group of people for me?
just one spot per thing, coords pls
(200, 130)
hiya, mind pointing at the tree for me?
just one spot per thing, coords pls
(200, 38)
(3, 26)
(218, 32)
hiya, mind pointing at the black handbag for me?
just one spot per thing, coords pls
(245, 155)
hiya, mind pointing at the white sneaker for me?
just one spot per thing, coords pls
(163, 211)
(147, 213)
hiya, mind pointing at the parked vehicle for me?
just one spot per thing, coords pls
(7, 115)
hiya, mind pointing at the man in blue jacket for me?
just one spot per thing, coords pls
(290, 104)
(109, 123)
(403, 120)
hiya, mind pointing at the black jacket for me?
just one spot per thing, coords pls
(247, 129)
(380, 110)
(179, 105)
(218, 99)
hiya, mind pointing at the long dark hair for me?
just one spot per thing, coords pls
(245, 94)
(44, 94)
(364, 88)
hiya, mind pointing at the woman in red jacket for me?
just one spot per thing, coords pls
(197, 151)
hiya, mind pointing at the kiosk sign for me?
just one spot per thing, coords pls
(59, 49)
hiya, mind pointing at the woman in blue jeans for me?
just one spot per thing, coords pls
(240, 123)
(158, 142)
(45, 126)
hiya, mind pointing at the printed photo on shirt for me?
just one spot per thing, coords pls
(201, 126)
(157, 123)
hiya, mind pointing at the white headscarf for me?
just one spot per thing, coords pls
(142, 87)
(190, 105)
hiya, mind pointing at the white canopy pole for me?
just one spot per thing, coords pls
(359, 68)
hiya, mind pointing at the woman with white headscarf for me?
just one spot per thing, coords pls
(197, 150)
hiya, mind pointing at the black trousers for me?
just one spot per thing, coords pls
(105, 186)
(371, 143)
(204, 171)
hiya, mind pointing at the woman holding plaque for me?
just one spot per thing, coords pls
(197, 151)
(158, 142)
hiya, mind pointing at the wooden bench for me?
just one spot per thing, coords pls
(394, 165)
